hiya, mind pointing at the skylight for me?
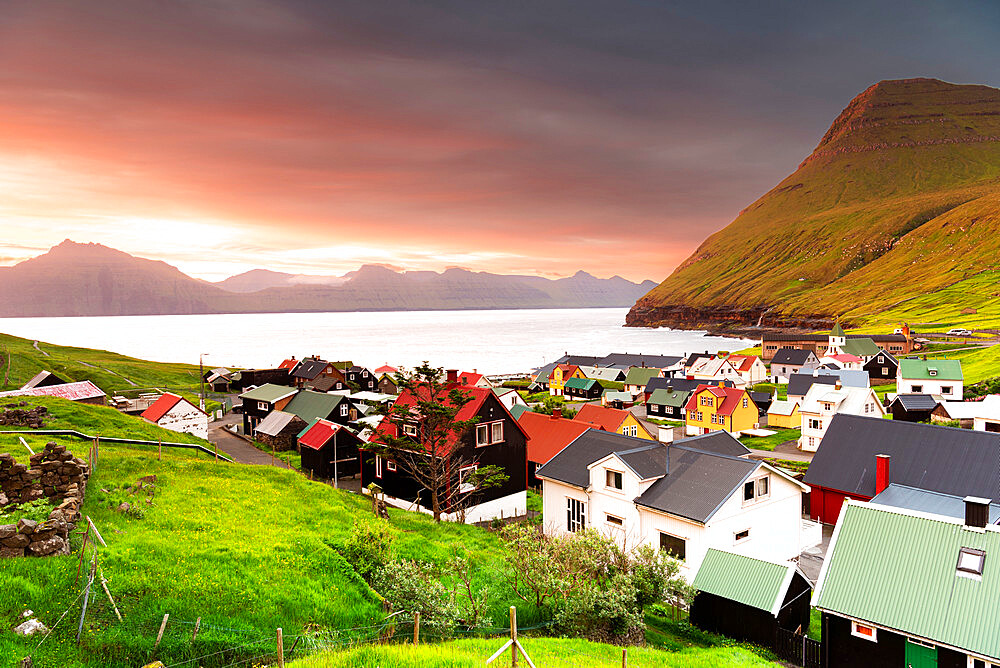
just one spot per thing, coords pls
(970, 561)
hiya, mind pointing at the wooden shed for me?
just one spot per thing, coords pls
(329, 449)
(749, 599)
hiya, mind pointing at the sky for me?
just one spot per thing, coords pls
(537, 137)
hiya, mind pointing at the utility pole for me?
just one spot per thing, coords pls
(335, 481)
(201, 377)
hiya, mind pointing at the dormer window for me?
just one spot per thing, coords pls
(613, 479)
(970, 562)
(410, 430)
(932, 372)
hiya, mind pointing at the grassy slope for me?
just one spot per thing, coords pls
(548, 652)
(105, 369)
(836, 221)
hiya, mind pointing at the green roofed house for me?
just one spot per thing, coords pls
(638, 377)
(904, 588)
(583, 388)
(260, 401)
(749, 599)
(923, 376)
(310, 405)
(667, 403)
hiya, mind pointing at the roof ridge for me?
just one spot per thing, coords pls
(716, 454)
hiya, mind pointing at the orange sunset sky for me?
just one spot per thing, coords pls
(313, 137)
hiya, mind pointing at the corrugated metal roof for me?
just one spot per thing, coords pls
(917, 369)
(78, 391)
(309, 405)
(941, 459)
(792, 356)
(896, 569)
(863, 347)
(580, 383)
(661, 397)
(759, 584)
(275, 422)
(915, 402)
(268, 392)
(926, 501)
(161, 406)
(638, 375)
(718, 442)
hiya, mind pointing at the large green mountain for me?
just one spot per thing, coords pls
(899, 201)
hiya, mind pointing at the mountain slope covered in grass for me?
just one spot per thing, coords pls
(900, 199)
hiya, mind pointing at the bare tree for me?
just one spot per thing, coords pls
(425, 438)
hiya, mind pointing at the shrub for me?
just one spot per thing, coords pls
(413, 586)
(369, 548)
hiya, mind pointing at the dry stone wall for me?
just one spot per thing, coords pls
(54, 474)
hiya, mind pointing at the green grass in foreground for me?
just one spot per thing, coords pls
(769, 442)
(547, 652)
(246, 548)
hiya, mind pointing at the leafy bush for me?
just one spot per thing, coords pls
(414, 586)
(37, 510)
(369, 548)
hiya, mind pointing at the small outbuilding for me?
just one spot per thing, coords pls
(583, 388)
(329, 449)
(913, 407)
(784, 414)
(280, 430)
(749, 599)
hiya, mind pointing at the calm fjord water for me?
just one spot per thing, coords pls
(505, 341)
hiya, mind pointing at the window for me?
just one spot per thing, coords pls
(616, 521)
(613, 479)
(812, 442)
(970, 562)
(630, 430)
(464, 486)
(815, 424)
(575, 514)
(756, 489)
(881, 360)
(864, 631)
(691, 415)
(497, 432)
(741, 536)
(885, 371)
(391, 466)
(343, 409)
(946, 389)
(932, 372)
(674, 546)
(916, 389)
(262, 405)
(746, 402)
(410, 429)
(482, 435)
(378, 466)
(748, 489)
(763, 487)
(979, 663)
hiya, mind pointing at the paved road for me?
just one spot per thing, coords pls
(238, 449)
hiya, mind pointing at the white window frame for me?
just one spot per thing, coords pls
(608, 473)
(576, 514)
(496, 432)
(410, 430)
(466, 487)
(484, 440)
(378, 467)
(343, 409)
(262, 405)
(946, 389)
(854, 631)
(390, 466)
(618, 521)
(736, 536)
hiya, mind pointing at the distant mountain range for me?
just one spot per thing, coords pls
(895, 214)
(74, 279)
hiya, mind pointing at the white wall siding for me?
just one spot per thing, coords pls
(185, 417)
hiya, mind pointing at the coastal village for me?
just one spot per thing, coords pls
(828, 497)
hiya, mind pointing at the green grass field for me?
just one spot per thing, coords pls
(769, 442)
(547, 652)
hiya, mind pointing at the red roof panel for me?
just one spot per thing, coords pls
(289, 364)
(78, 391)
(730, 396)
(609, 419)
(161, 406)
(319, 434)
(548, 435)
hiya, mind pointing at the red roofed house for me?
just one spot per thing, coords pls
(615, 420)
(83, 391)
(496, 439)
(547, 435)
(715, 407)
(289, 364)
(750, 368)
(385, 368)
(474, 379)
(843, 361)
(329, 450)
(176, 413)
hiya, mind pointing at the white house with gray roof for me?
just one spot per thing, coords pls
(684, 497)
(822, 402)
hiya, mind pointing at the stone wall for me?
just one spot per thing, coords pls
(55, 474)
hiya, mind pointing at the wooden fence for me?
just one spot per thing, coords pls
(798, 649)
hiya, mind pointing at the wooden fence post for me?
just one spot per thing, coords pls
(159, 636)
(624, 657)
(281, 650)
(159, 452)
(83, 551)
(513, 637)
(197, 625)
(216, 452)
(416, 628)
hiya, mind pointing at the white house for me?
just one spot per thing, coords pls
(842, 361)
(987, 415)
(176, 413)
(509, 397)
(685, 497)
(750, 368)
(922, 376)
(715, 369)
(822, 402)
(787, 361)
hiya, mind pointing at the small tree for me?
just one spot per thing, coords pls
(427, 440)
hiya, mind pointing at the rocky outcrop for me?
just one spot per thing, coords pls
(21, 415)
(55, 474)
(730, 320)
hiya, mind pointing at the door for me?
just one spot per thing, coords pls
(920, 656)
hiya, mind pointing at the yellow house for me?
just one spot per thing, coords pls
(559, 376)
(784, 415)
(613, 419)
(716, 408)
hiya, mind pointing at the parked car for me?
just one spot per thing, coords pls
(959, 332)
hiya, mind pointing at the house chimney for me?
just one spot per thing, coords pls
(977, 512)
(475, 371)
(670, 389)
(881, 473)
(556, 413)
(838, 385)
(452, 376)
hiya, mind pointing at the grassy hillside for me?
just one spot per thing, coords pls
(898, 200)
(109, 371)
(548, 652)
